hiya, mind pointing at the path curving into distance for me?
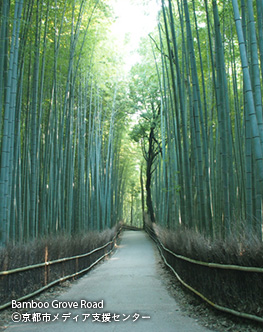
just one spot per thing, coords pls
(130, 287)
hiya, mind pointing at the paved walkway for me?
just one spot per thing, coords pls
(129, 285)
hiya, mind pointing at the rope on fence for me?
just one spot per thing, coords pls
(216, 306)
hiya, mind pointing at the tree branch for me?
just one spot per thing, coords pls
(156, 45)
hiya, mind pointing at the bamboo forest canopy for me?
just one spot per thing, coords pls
(76, 130)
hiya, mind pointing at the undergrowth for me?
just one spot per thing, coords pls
(52, 247)
(238, 290)
(235, 250)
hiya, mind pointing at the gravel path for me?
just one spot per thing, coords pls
(133, 294)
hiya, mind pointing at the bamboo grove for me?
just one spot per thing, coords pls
(66, 164)
(60, 120)
(209, 172)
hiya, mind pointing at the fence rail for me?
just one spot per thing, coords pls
(14, 283)
(65, 259)
(189, 268)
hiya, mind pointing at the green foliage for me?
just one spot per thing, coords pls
(61, 168)
(206, 57)
(70, 123)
